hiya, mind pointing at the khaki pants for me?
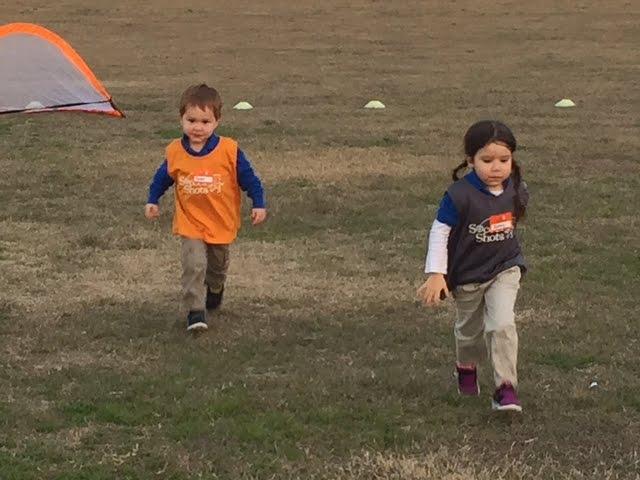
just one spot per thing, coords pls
(203, 265)
(486, 324)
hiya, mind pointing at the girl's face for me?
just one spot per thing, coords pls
(493, 164)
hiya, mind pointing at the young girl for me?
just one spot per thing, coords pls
(474, 254)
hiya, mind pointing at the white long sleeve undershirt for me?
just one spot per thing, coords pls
(437, 251)
(437, 255)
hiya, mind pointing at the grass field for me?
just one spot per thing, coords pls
(321, 365)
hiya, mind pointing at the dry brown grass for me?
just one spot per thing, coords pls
(454, 465)
(320, 364)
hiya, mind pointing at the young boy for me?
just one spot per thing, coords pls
(209, 171)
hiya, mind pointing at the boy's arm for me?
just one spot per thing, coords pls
(249, 181)
(160, 183)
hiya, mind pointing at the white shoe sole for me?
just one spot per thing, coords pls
(468, 395)
(505, 408)
(196, 327)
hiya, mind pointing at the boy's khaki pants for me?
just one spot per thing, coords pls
(203, 264)
(486, 324)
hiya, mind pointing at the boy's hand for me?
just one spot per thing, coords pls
(151, 211)
(433, 290)
(258, 215)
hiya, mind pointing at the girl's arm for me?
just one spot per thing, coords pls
(435, 288)
(446, 219)
(436, 261)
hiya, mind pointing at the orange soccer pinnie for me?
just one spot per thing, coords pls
(207, 193)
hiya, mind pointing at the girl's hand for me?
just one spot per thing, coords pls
(433, 290)
(258, 215)
(151, 211)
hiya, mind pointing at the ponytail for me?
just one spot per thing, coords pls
(519, 206)
(462, 166)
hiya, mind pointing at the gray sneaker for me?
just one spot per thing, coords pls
(196, 321)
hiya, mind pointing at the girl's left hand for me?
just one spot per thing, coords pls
(258, 215)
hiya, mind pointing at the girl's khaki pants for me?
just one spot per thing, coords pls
(485, 325)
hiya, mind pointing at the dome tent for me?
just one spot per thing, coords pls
(41, 72)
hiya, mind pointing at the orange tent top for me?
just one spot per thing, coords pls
(40, 72)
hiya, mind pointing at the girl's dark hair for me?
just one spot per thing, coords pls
(483, 133)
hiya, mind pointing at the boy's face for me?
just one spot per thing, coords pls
(198, 124)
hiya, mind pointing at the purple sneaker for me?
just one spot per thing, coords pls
(506, 398)
(468, 381)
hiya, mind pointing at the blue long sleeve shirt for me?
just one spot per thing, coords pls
(247, 179)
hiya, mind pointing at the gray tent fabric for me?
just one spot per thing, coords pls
(40, 72)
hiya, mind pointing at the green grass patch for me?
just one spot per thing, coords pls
(303, 209)
(361, 141)
(320, 364)
(566, 361)
(630, 398)
(17, 467)
(169, 133)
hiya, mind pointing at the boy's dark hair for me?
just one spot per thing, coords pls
(483, 133)
(202, 96)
